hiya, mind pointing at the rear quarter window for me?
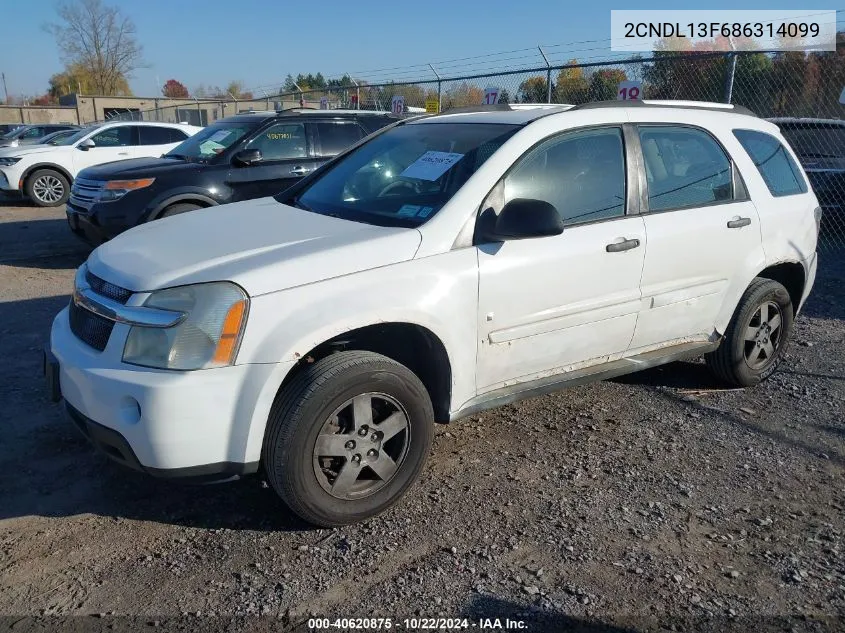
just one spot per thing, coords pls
(777, 167)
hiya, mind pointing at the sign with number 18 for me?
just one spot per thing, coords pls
(629, 91)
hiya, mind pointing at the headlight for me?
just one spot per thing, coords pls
(209, 336)
(116, 189)
(8, 161)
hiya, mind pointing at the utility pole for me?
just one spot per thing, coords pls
(5, 89)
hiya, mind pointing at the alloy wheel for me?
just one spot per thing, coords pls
(763, 335)
(361, 446)
(48, 189)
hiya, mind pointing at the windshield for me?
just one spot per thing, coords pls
(212, 140)
(77, 136)
(817, 141)
(404, 176)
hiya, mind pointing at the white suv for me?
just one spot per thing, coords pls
(44, 173)
(440, 267)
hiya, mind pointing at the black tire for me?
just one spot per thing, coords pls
(176, 209)
(315, 398)
(734, 360)
(47, 188)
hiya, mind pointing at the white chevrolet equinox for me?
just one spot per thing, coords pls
(443, 266)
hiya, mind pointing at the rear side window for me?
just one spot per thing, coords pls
(151, 135)
(336, 136)
(780, 173)
(685, 167)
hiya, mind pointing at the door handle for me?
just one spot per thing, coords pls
(123, 153)
(738, 222)
(299, 170)
(624, 245)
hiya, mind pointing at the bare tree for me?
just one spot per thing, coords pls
(99, 39)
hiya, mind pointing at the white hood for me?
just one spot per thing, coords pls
(24, 150)
(262, 245)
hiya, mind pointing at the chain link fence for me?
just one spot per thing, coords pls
(801, 91)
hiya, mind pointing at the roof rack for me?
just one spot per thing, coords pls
(508, 107)
(659, 103)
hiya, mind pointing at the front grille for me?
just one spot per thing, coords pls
(90, 328)
(106, 288)
(84, 192)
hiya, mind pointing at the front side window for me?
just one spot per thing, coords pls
(281, 141)
(336, 136)
(781, 174)
(113, 137)
(582, 174)
(404, 176)
(685, 167)
(212, 140)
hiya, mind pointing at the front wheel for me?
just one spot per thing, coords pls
(47, 188)
(347, 437)
(756, 336)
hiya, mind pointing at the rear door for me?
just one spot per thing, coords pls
(156, 140)
(703, 233)
(332, 137)
(287, 154)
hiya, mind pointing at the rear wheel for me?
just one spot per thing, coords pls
(47, 188)
(347, 437)
(756, 336)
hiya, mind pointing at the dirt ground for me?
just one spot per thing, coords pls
(660, 501)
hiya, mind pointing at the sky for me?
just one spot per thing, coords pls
(213, 42)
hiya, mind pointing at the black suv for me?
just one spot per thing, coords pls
(820, 146)
(238, 158)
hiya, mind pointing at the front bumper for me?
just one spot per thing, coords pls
(87, 227)
(8, 181)
(166, 423)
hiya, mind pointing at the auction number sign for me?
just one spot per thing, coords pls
(491, 95)
(397, 104)
(324, 103)
(629, 91)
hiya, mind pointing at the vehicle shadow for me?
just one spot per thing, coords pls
(53, 471)
(41, 243)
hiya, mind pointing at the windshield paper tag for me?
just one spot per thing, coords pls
(431, 165)
(408, 210)
(219, 135)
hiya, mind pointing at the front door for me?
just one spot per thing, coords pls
(114, 143)
(286, 156)
(549, 303)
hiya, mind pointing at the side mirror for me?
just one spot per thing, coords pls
(524, 218)
(247, 157)
(86, 145)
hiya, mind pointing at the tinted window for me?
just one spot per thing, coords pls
(177, 136)
(114, 137)
(816, 140)
(582, 174)
(280, 141)
(684, 167)
(156, 135)
(779, 171)
(212, 140)
(404, 176)
(33, 132)
(336, 136)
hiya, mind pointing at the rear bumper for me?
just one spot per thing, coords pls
(810, 266)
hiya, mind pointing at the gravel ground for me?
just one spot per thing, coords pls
(655, 502)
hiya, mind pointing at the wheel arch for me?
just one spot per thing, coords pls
(410, 344)
(34, 168)
(192, 197)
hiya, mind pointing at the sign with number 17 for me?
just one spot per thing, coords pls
(491, 95)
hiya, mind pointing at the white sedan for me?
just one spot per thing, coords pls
(44, 173)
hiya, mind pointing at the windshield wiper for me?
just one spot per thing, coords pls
(179, 156)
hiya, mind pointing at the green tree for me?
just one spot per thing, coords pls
(571, 85)
(533, 90)
(604, 84)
